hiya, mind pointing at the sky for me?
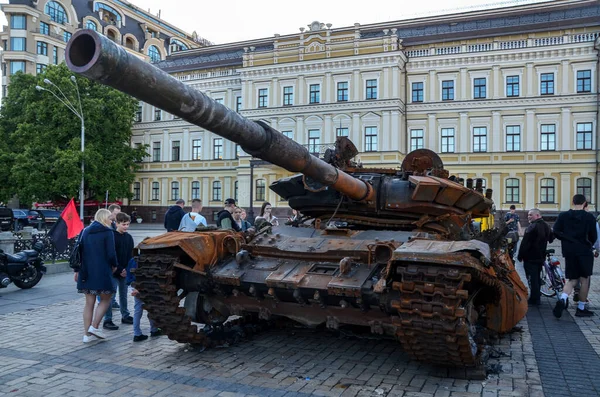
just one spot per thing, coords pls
(238, 20)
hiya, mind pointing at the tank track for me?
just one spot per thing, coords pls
(435, 319)
(156, 282)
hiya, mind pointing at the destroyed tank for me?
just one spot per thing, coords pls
(388, 250)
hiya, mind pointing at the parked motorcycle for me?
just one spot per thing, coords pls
(25, 269)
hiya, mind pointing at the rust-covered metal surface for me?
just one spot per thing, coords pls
(389, 250)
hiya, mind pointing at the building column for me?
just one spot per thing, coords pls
(274, 97)
(145, 193)
(244, 190)
(274, 123)
(205, 193)
(386, 83)
(328, 134)
(356, 88)
(496, 133)
(395, 85)
(530, 130)
(496, 186)
(462, 134)
(565, 191)
(227, 188)
(248, 95)
(529, 190)
(328, 89)
(463, 84)
(186, 146)
(164, 155)
(564, 88)
(530, 79)
(395, 132)
(429, 140)
(164, 191)
(230, 99)
(432, 85)
(184, 185)
(301, 100)
(496, 81)
(566, 130)
(385, 135)
(356, 133)
(300, 133)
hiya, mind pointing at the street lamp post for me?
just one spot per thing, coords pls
(79, 113)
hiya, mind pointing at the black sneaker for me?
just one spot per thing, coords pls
(139, 338)
(583, 313)
(558, 309)
(110, 326)
(158, 332)
(127, 320)
(115, 306)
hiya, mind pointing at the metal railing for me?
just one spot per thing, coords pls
(49, 252)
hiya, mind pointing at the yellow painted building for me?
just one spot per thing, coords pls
(509, 95)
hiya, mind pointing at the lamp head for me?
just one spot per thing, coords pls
(37, 87)
(73, 79)
(48, 82)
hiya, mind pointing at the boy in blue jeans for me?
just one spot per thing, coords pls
(138, 309)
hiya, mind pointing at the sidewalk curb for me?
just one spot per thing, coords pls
(57, 268)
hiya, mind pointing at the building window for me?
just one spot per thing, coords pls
(447, 140)
(513, 138)
(288, 96)
(416, 139)
(67, 36)
(547, 84)
(370, 139)
(197, 149)
(174, 190)
(314, 93)
(548, 137)
(156, 151)
(155, 190)
(18, 21)
(512, 85)
(479, 88)
(195, 190)
(55, 55)
(138, 113)
(18, 44)
(479, 139)
(17, 66)
(40, 68)
(157, 114)
(371, 89)
(512, 190)
(238, 151)
(154, 54)
(447, 90)
(44, 28)
(236, 189)
(216, 191)
(175, 151)
(289, 134)
(91, 25)
(584, 81)
(342, 91)
(314, 141)
(342, 131)
(219, 100)
(417, 92)
(42, 48)
(218, 149)
(263, 97)
(136, 191)
(260, 190)
(238, 103)
(584, 186)
(547, 191)
(56, 12)
(584, 136)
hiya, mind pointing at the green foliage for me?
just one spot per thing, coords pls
(40, 139)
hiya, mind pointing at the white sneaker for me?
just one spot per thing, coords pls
(96, 332)
(87, 338)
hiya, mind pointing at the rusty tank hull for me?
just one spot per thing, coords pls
(391, 251)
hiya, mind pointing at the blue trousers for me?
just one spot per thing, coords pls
(137, 317)
(120, 285)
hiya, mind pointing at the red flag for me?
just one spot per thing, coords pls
(66, 227)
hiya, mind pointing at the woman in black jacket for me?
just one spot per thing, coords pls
(94, 278)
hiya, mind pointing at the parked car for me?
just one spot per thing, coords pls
(49, 217)
(6, 219)
(24, 217)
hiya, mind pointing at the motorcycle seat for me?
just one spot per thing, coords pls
(21, 257)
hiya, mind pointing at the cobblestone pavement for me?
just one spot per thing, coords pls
(41, 354)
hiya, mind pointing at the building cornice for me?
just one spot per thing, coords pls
(322, 108)
(226, 84)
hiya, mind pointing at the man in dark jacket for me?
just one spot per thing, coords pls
(532, 251)
(576, 229)
(224, 217)
(174, 215)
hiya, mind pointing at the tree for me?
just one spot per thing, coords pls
(40, 140)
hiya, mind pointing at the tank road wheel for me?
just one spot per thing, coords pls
(177, 312)
(436, 318)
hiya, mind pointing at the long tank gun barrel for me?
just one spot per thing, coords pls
(96, 57)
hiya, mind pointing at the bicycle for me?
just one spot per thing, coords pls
(552, 277)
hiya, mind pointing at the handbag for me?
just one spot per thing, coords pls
(75, 256)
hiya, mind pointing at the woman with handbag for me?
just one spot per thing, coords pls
(94, 277)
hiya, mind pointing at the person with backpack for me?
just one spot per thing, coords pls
(192, 219)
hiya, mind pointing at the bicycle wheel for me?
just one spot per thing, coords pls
(546, 287)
